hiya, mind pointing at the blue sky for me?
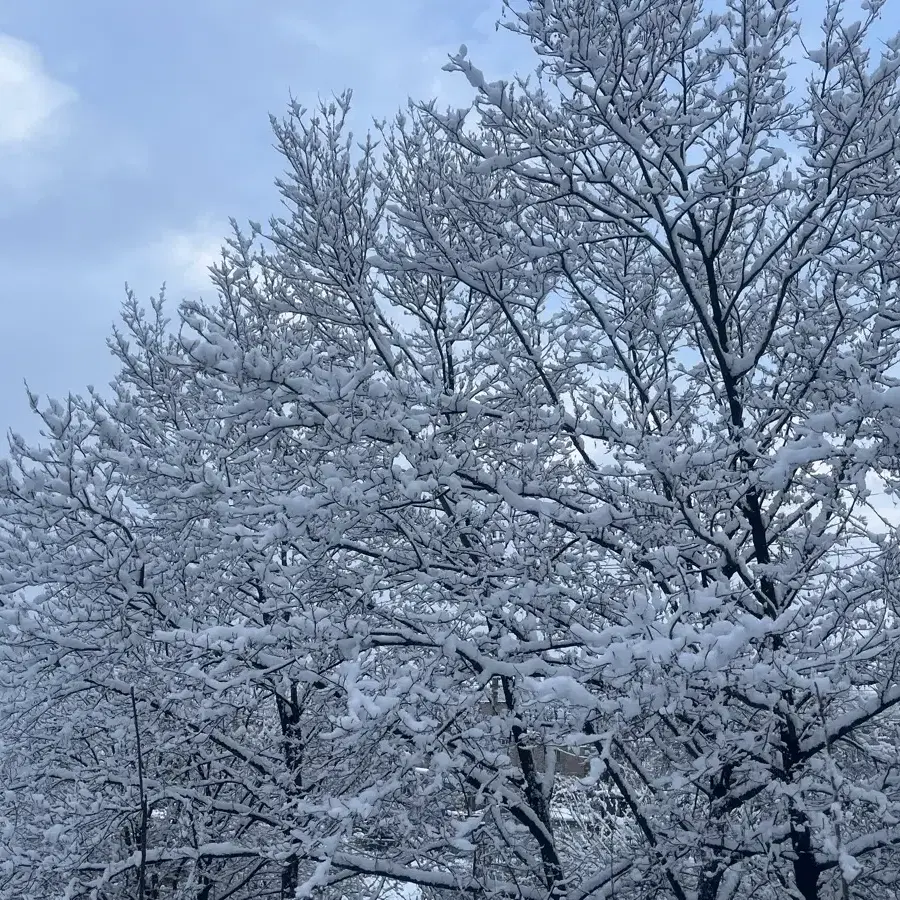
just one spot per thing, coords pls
(131, 131)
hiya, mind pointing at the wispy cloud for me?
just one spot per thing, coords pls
(178, 257)
(31, 100)
(34, 119)
(387, 52)
(184, 256)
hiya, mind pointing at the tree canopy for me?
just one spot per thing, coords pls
(508, 525)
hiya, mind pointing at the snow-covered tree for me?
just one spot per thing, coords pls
(510, 524)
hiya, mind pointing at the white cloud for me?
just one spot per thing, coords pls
(184, 257)
(180, 257)
(387, 52)
(177, 257)
(30, 98)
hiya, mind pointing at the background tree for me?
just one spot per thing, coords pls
(550, 427)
